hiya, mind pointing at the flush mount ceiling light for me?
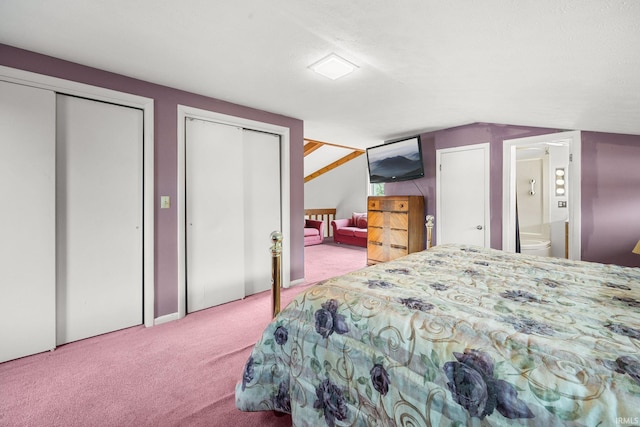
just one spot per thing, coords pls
(333, 67)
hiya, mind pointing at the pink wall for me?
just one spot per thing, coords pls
(610, 185)
(165, 133)
(610, 197)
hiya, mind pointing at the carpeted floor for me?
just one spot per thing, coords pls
(181, 373)
(332, 259)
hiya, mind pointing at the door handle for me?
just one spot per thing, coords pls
(532, 192)
(479, 227)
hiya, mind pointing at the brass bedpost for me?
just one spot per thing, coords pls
(276, 251)
(429, 226)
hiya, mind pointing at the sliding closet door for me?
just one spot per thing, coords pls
(214, 214)
(262, 206)
(27, 228)
(99, 218)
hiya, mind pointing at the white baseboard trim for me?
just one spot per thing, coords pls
(166, 318)
(296, 282)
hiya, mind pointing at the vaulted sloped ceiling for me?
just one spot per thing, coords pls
(322, 157)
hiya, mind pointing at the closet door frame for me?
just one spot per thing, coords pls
(68, 87)
(183, 113)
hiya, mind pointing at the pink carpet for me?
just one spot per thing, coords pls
(332, 259)
(181, 373)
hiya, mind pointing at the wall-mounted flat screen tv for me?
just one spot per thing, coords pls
(395, 161)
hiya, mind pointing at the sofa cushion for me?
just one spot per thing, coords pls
(360, 232)
(346, 231)
(311, 232)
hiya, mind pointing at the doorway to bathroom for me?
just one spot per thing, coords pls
(541, 203)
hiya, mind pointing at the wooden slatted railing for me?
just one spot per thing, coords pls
(326, 215)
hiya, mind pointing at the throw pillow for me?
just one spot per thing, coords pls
(355, 216)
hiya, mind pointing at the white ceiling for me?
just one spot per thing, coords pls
(423, 64)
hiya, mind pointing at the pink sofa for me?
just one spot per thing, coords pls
(351, 231)
(313, 232)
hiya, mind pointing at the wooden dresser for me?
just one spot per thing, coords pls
(395, 227)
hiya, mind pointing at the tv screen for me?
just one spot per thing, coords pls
(395, 161)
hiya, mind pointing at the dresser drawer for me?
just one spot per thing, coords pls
(397, 220)
(375, 204)
(398, 238)
(375, 234)
(386, 236)
(397, 252)
(375, 252)
(388, 205)
(397, 205)
(375, 219)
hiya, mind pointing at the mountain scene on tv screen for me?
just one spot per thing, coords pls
(396, 167)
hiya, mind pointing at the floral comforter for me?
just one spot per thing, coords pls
(455, 335)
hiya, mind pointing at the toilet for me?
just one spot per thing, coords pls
(535, 246)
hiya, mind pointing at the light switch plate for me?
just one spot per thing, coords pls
(165, 202)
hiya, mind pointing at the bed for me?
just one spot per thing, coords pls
(455, 335)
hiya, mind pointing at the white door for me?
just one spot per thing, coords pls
(462, 180)
(27, 227)
(99, 217)
(262, 206)
(214, 214)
